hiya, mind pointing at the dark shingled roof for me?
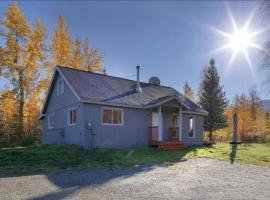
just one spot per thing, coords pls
(108, 89)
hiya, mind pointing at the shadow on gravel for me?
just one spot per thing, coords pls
(71, 181)
(68, 182)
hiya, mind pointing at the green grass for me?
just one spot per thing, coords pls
(49, 158)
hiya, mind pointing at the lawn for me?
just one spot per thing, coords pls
(49, 158)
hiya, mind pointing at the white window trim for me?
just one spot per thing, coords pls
(68, 117)
(58, 87)
(194, 127)
(112, 124)
(49, 124)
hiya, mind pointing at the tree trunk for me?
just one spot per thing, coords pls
(21, 105)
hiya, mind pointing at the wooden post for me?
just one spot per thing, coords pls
(180, 123)
(160, 123)
(235, 121)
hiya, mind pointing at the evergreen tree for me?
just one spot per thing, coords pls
(188, 91)
(212, 99)
(61, 47)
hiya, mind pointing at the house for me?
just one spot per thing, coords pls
(99, 111)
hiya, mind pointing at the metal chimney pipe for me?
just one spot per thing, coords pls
(138, 88)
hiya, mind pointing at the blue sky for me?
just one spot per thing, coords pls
(171, 40)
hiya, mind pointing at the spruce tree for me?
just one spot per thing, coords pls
(212, 99)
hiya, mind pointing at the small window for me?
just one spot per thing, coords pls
(72, 117)
(51, 121)
(112, 116)
(191, 127)
(60, 87)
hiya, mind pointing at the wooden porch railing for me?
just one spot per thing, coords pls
(174, 133)
(153, 135)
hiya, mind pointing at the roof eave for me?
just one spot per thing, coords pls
(165, 101)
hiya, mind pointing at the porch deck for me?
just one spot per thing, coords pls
(173, 143)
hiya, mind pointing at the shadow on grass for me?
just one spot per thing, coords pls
(233, 153)
(105, 165)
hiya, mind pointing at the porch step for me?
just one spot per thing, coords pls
(171, 145)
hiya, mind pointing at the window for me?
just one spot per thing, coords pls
(60, 87)
(191, 127)
(51, 121)
(72, 117)
(112, 116)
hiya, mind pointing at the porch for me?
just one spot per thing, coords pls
(166, 129)
(172, 143)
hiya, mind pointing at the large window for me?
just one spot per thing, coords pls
(51, 121)
(72, 117)
(112, 116)
(191, 127)
(60, 87)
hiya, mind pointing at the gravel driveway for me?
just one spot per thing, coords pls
(192, 179)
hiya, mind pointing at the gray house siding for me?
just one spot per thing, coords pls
(134, 131)
(198, 138)
(59, 106)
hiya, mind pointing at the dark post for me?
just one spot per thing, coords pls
(235, 121)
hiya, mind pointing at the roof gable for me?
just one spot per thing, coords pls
(69, 92)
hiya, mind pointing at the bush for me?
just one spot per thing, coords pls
(27, 141)
(4, 143)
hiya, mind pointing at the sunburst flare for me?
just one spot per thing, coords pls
(240, 40)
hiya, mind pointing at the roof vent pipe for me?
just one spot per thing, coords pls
(138, 88)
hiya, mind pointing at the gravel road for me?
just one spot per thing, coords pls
(192, 179)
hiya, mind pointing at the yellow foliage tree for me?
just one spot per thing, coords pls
(188, 91)
(8, 110)
(92, 60)
(77, 59)
(249, 126)
(21, 54)
(61, 46)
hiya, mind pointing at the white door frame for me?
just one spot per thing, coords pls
(157, 120)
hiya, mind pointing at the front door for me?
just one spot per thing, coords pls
(174, 121)
(174, 128)
(154, 119)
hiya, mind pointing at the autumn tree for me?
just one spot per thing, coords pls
(212, 99)
(61, 46)
(248, 126)
(188, 91)
(15, 34)
(8, 110)
(92, 59)
(22, 51)
(254, 98)
(77, 58)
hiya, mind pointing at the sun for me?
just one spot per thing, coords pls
(240, 40)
